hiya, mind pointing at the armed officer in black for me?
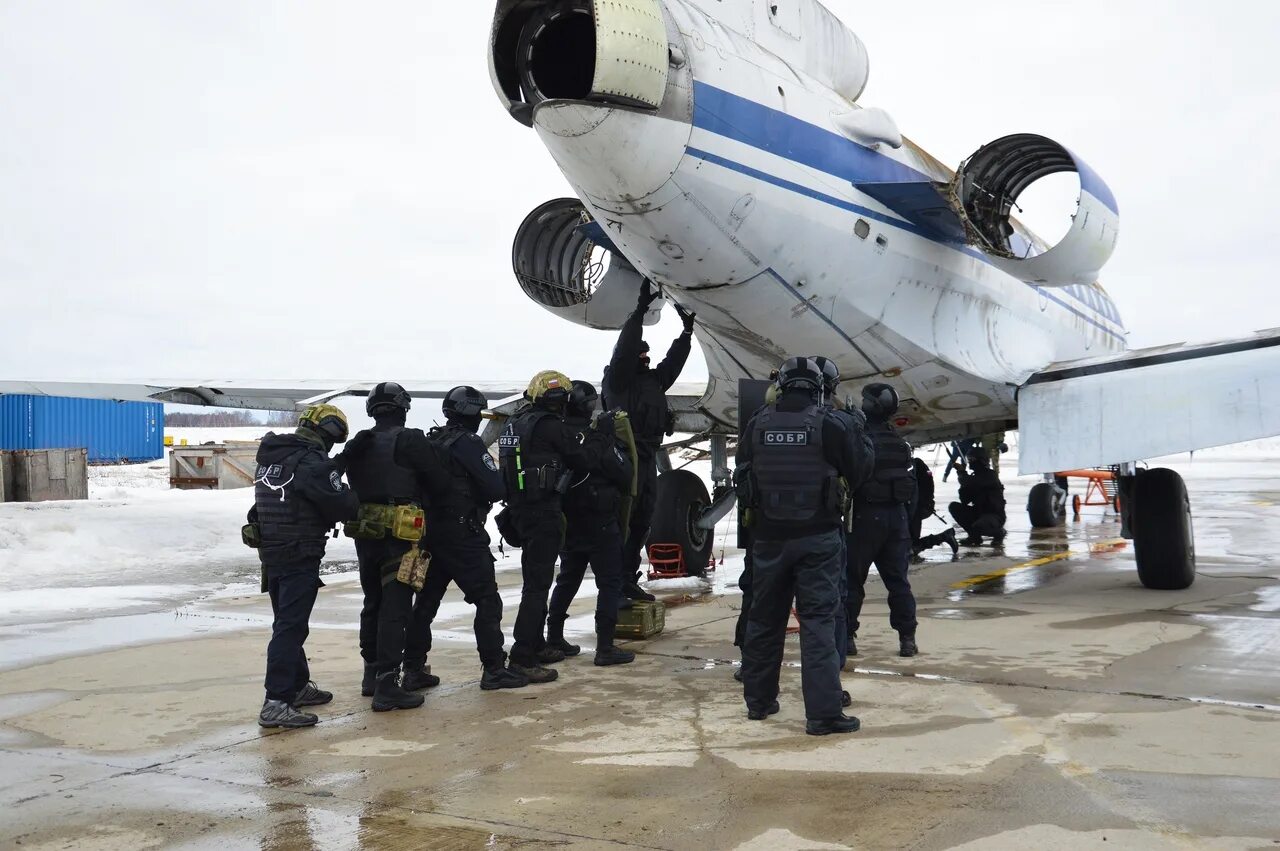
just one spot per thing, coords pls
(538, 453)
(631, 385)
(593, 531)
(460, 545)
(298, 497)
(796, 452)
(980, 510)
(880, 525)
(385, 465)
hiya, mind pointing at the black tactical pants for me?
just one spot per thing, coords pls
(806, 570)
(388, 603)
(641, 517)
(880, 535)
(602, 551)
(542, 530)
(746, 586)
(975, 524)
(459, 554)
(293, 588)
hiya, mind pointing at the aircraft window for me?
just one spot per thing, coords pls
(861, 229)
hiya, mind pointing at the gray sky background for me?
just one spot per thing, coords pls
(241, 188)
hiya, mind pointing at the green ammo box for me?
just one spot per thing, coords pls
(642, 620)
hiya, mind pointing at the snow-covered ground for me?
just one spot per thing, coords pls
(136, 545)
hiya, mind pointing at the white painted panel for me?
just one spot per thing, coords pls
(1148, 411)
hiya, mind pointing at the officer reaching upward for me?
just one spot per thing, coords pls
(538, 455)
(386, 465)
(631, 385)
(880, 531)
(593, 509)
(459, 545)
(795, 452)
(298, 497)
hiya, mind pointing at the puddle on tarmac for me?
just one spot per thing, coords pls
(685, 599)
(970, 614)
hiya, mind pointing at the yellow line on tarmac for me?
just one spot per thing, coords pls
(1004, 571)
(1095, 548)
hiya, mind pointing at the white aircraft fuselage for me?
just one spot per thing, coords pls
(745, 196)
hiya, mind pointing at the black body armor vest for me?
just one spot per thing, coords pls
(794, 482)
(284, 517)
(530, 472)
(890, 481)
(377, 478)
(463, 497)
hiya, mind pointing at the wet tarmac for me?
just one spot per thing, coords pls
(1055, 704)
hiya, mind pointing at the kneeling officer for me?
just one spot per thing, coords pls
(796, 451)
(595, 515)
(298, 497)
(386, 466)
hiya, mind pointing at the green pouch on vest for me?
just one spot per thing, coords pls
(371, 524)
(251, 535)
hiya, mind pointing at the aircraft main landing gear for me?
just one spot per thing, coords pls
(1156, 511)
(1047, 505)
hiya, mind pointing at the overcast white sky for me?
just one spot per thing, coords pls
(243, 188)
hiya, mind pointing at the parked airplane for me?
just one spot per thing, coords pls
(717, 149)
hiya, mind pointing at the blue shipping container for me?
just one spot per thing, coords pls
(111, 431)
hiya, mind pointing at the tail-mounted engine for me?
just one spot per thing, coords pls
(565, 262)
(612, 51)
(985, 190)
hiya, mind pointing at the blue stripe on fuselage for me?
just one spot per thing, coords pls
(764, 128)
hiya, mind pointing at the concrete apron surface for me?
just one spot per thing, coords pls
(1055, 704)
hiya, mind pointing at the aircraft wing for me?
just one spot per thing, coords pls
(1150, 402)
(260, 395)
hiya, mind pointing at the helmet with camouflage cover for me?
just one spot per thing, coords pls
(548, 386)
(327, 420)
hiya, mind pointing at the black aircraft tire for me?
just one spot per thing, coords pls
(1163, 543)
(681, 499)
(1043, 507)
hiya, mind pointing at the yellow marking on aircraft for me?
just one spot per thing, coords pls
(983, 578)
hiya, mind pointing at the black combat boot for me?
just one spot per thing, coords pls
(949, 538)
(632, 591)
(277, 713)
(846, 699)
(611, 655)
(311, 695)
(500, 676)
(370, 680)
(549, 655)
(853, 645)
(971, 541)
(388, 694)
(761, 714)
(907, 646)
(827, 726)
(535, 673)
(555, 637)
(418, 677)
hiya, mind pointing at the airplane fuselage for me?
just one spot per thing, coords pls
(740, 197)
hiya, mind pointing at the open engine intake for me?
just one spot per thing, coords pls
(985, 191)
(564, 263)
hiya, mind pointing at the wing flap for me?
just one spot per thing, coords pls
(1148, 403)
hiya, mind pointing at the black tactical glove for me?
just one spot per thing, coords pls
(687, 317)
(604, 423)
(646, 297)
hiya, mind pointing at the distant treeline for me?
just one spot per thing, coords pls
(222, 419)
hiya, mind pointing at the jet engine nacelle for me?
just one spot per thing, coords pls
(987, 185)
(565, 262)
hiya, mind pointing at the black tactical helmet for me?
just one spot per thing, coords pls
(464, 403)
(800, 372)
(583, 398)
(386, 396)
(830, 373)
(879, 401)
